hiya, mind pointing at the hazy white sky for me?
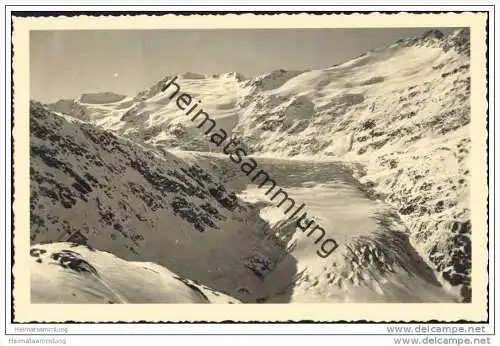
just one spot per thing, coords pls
(65, 64)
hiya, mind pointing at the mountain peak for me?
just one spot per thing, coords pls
(434, 33)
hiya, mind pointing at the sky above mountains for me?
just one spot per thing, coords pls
(65, 64)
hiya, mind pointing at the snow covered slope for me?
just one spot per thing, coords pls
(144, 205)
(152, 117)
(73, 273)
(400, 114)
(375, 260)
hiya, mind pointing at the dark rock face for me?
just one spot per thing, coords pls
(457, 269)
(66, 259)
(56, 150)
(433, 34)
(71, 260)
(460, 42)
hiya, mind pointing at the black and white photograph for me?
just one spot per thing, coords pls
(257, 165)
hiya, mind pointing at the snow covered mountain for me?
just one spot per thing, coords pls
(143, 205)
(73, 273)
(397, 119)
